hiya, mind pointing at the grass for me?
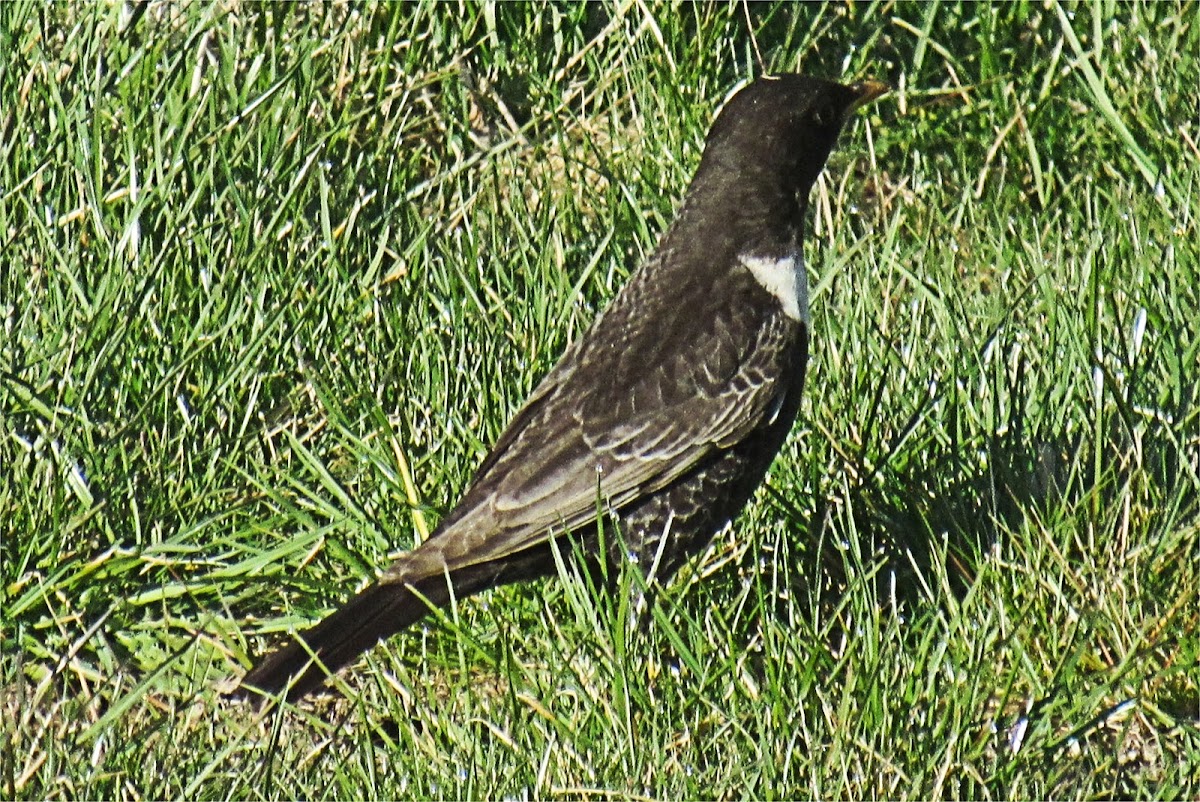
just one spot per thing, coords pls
(275, 277)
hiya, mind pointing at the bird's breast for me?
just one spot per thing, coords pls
(784, 278)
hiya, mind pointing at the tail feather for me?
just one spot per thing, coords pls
(377, 612)
(363, 621)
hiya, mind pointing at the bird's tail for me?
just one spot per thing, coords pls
(378, 611)
(375, 613)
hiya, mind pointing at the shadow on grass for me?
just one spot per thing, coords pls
(927, 524)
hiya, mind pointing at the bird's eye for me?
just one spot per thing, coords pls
(823, 115)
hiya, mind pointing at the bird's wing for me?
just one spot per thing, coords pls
(655, 387)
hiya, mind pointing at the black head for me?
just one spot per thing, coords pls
(782, 127)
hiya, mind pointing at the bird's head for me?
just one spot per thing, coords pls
(781, 129)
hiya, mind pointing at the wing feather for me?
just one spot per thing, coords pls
(651, 391)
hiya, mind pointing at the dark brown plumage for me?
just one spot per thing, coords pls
(672, 406)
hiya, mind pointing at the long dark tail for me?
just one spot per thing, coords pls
(379, 611)
(374, 614)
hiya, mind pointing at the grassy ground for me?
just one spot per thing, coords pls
(275, 276)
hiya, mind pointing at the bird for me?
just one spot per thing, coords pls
(663, 418)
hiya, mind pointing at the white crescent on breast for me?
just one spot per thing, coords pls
(784, 278)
